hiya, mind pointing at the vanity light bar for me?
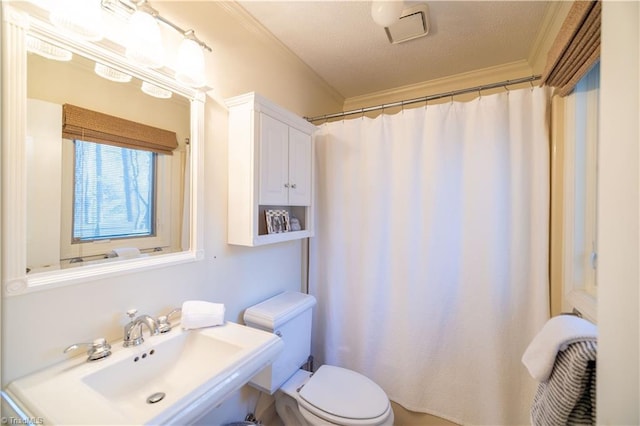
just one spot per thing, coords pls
(125, 8)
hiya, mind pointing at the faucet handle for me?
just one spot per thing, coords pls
(97, 349)
(131, 313)
(164, 325)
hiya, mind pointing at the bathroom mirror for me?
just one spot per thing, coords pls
(40, 247)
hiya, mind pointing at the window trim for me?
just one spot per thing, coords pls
(580, 294)
(70, 250)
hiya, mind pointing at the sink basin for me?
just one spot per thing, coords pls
(173, 378)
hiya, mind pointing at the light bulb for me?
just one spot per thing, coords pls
(385, 13)
(144, 45)
(190, 65)
(155, 91)
(80, 17)
(111, 74)
(49, 51)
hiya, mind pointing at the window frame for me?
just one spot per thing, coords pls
(580, 201)
(99, 248)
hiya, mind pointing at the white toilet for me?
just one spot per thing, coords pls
(330, 396)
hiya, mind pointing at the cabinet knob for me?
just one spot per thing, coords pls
(293, 185)
(286, 185)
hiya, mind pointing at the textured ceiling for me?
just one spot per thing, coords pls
(340, 41)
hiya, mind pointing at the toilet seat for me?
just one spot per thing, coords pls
(344, 397)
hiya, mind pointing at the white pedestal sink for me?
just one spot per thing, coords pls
(173, 378)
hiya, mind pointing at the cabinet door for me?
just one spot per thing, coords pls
(274, 162)
(299, 168)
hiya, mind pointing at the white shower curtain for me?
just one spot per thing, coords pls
(430, 257)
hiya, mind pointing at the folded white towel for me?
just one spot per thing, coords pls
(558, 333)
(126, 252)
(198, 314)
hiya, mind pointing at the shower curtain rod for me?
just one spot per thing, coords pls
(453, 93)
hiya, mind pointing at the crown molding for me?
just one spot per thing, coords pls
(479, 77)
(551, 23)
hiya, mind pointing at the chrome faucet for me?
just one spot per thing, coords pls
(98, 349)
(133, 330)
(164, 326)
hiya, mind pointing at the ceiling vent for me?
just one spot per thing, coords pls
(413, 23)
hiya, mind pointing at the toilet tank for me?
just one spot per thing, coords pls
(288, 315)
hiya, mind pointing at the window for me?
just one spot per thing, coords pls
(116, 185)
(581, 143)
(572, 70)
(585, 171)
(114, 191)
(113, 198)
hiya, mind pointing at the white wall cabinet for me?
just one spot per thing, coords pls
(285, 169)
(270, 168)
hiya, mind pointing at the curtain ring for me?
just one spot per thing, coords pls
(479, 94)
(362, 112)
(531, 83)
(402, 107)
(507, 89)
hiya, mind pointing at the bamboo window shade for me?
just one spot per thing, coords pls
(576, 48)
(92, 126)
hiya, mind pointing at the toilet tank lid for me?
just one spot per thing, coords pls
(274, 312)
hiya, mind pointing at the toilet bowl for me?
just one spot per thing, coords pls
(330, 396)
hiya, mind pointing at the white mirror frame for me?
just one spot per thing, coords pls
(17, 24)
